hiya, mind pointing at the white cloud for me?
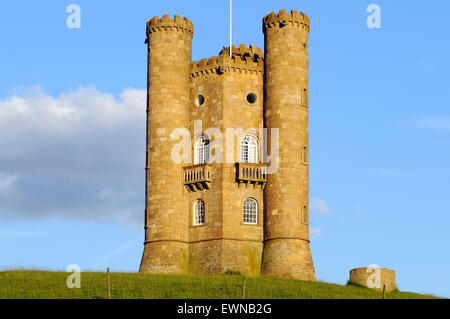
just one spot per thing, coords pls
(14, 234)
(78, 155)
(314, 232)
(432, 122)
(319, 206)
(7, 182)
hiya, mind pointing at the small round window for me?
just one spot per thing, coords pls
(200, 100)
(251, 98)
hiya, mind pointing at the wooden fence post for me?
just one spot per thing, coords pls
(243, 287)
(108, 283)
(384, 291)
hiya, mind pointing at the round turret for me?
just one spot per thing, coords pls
(286, 234)
(169, 58)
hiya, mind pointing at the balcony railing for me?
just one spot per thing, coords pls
(197, 177)
(250, 173)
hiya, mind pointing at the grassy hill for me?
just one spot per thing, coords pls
(46, 284)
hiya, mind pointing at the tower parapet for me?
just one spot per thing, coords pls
(166, 23)
(244, 59)
(244, 52)
(283, 18)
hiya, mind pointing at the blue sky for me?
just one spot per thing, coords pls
(72, 132)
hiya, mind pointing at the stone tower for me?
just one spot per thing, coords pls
(210, 213)
(286, 232)
(169, 59)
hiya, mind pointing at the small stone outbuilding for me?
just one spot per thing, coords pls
(373, 277)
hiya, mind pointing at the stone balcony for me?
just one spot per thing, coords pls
(197, 177)
(252, 174)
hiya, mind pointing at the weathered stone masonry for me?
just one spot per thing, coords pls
(278, 243)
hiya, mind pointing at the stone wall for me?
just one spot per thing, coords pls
(279, 81)
(374, 278)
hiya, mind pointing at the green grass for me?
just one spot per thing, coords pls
(25, 284)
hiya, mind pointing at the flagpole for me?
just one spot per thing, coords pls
(231, 29)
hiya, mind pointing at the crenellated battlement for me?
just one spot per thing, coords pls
(283, 19)
(167, 23)
(243, 51)
(243, 60)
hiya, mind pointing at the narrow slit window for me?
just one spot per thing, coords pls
(305, 214)
(305, 97)
(305, 155)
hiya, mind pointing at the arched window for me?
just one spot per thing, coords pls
(250, 211)
(249, 150)
(201, 153)
(199, 212)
